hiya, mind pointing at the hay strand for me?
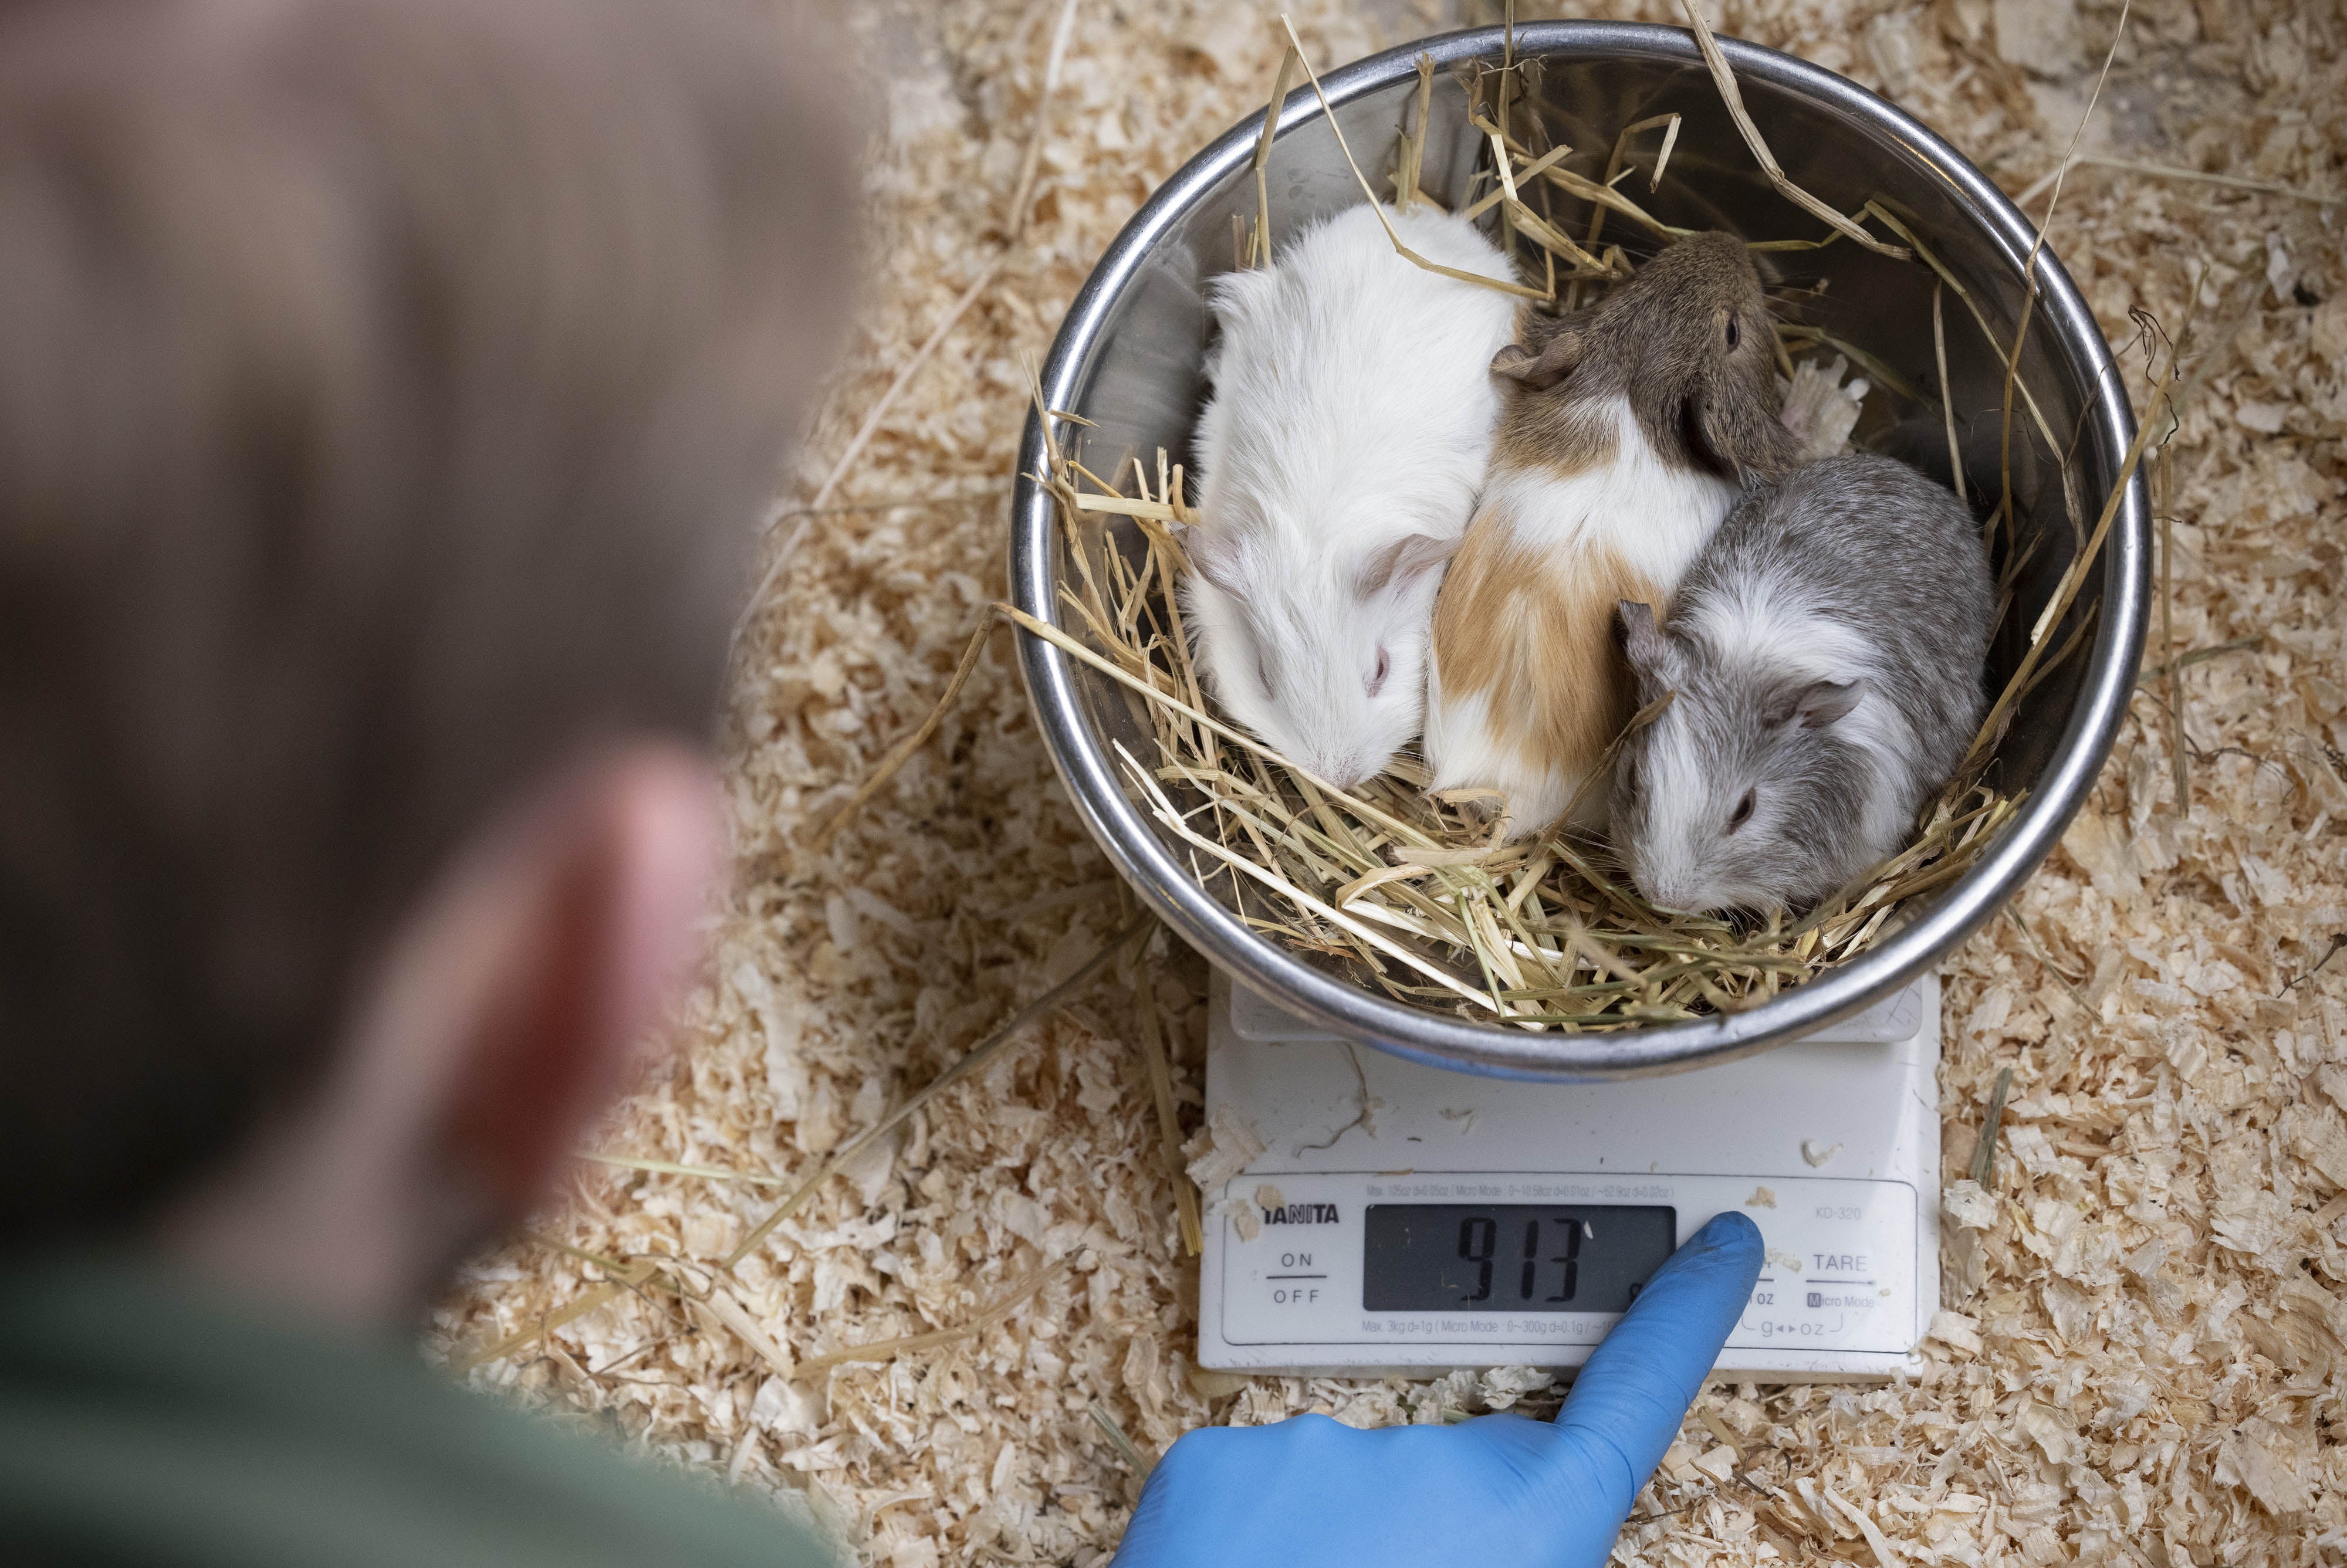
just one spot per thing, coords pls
(902, 751)
(2053, 176)
(1259, 249)
(978, 1056)
(1408, 192)
(1169, 1117)
(2073, 575)
(1141, 1464)
(890, 1349)
(2029, 280)
(1723, 76)
(1030, 163)
(579, 1305)
(670, 1168)
(1328, 113)
(1015, 228)
(848, 458)
(1947, 396)
(1983, 1169)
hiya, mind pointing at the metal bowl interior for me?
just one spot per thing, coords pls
(1128, 358)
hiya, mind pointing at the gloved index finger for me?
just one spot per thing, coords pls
(1628, 1401)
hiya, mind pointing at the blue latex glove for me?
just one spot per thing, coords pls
(1500, 1491)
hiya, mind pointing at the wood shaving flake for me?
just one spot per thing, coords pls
(1226, 1146)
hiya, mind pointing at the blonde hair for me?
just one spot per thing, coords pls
(386, 390)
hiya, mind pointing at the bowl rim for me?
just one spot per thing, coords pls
(1488, 1049)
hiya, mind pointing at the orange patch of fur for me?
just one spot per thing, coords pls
(1533, 632)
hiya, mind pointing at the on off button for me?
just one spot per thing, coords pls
(1299, 1281)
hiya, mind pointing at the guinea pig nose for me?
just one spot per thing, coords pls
(1338, 770)
(1668, 898)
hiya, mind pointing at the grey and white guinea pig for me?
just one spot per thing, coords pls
(1631, 428)
(1351, 415)
(1826, 652)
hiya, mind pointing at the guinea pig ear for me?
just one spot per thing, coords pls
(1402, 561)
(1558, 358)
(1817, 703)
(1217, 557)
(1652, 657)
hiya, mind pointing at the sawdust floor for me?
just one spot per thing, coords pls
(2141, 1357)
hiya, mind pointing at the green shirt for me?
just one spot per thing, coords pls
(141, 1423)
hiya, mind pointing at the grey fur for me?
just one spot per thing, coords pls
(1888, 563)
(1662, 341)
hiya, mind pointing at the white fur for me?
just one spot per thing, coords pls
(1656, 517)
(1753, 624)
(1462, 752)
(1353, 406)
(1672, 866)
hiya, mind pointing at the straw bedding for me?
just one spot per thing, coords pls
(2145, 1332)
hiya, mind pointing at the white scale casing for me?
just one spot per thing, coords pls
(1831, 1144)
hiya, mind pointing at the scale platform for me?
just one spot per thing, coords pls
(1406, 1219)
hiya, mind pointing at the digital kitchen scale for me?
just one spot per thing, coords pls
(1406, 1219)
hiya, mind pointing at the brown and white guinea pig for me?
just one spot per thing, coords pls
(1631, 429)
(1824, 655)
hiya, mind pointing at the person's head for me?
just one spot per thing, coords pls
(387, 392)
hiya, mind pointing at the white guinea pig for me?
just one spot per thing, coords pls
(1632, 428)
(1351, 417)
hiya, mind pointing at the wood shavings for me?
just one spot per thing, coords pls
(1223, 1148)
(2175, 1322)
(1821, 408)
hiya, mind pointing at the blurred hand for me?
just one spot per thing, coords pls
(1497, 1489)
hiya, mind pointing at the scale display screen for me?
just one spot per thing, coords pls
(1512, 1257)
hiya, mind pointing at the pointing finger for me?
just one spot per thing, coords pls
(1628, 1401)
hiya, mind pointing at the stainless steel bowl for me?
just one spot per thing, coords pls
(1128, 358)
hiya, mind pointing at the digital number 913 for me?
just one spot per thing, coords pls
(1478, 1242)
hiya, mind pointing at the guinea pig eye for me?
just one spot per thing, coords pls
(1735, 332)
(1378, 676)
(1742, 812)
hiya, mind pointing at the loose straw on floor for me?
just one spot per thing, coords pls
(890, 1349)
(1021, 203)
(1049, 1002)
(2038, 187)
